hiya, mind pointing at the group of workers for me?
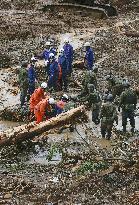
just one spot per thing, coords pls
(105, 107)
(58, 70)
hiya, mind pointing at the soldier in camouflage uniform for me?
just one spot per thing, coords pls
(128, 102)
(115, 85)
(89, 78)
(108, 115)
(94, 102)
(23, 82)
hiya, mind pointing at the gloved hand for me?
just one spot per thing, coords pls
(118, 109)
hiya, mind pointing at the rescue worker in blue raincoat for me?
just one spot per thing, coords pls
(53, 47)
(53, 72)
(46, 52)
(68, 50)
(45, 56)
(32, 76)
(89, 57)
(63, 70)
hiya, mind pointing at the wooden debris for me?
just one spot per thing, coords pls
(31, 130)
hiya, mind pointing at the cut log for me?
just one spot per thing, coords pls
(28, 131)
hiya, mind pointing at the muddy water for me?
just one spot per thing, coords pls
(7, 97)
(41, 158)
(4, 125)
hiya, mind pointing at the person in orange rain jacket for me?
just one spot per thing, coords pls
(60, 104)
(41, 108)
(36, 97)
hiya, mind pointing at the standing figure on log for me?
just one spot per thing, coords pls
(53, 72)
(128, 102)
(108, 115)
(36, 97)
(68, 50)
(23, 82)
(41, 109)
(89, 57)
(63, 70)
(32, 76)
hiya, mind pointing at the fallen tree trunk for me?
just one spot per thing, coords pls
(28, 131)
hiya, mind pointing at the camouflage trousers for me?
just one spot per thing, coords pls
(125, 116)
(23, 95)
(95, 113)
(106, 129)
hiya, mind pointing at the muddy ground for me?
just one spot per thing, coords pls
(68, 168)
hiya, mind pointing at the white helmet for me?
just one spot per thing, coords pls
(61, 50)
(66, 40)
(65, 96)
(34, 59)
(44, 85)
(51, 55)
(87, 44)
(48, 43)
(51, 101)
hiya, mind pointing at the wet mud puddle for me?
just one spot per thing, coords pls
(42, 155)
(4, 125)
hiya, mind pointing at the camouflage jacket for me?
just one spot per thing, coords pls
(128, 100)
(94, 100)
(108, 113)
(89, 78)
(23, 78)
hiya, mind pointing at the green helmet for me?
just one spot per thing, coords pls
(91, 87)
